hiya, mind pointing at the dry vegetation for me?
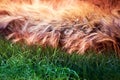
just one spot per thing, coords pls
(72, 25)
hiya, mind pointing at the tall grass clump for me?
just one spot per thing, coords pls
(18, 62)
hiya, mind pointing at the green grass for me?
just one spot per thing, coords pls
(34, 63)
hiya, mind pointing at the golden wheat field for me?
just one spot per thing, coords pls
(72, 25)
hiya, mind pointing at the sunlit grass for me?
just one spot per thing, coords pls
(34, 63)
